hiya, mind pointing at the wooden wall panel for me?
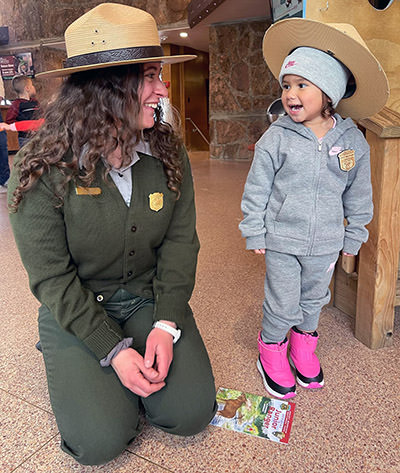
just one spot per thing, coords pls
(188, 94)
(378, 28)
(196, 75)
(12, 136)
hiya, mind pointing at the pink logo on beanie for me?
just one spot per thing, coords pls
(290, 64)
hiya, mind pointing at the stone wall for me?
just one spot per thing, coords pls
(241, 89)
(35, 20)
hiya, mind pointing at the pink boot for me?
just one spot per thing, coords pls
(302, 357)
(274, 368)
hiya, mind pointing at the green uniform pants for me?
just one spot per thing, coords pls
(96, 415)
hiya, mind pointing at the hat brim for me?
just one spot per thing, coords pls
(372, 87)
(71, 70)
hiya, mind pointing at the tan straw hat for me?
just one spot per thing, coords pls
(109, 35)
(342, 41)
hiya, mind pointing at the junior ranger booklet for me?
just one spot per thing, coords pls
(254, 415)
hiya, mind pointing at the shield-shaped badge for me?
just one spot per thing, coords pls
(156, 201)
(347, 159)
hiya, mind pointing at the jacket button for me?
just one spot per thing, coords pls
(130, 273)
(99, 298)
(131, 253)
(133, 228)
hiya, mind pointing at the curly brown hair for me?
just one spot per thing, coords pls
(327, 108)
(97, 110)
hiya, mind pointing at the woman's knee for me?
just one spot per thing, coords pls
(196, 421)
(96, 451)
(188, 418)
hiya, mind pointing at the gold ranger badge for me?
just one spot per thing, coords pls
(156, 201)
(347, 159)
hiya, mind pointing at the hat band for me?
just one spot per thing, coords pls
(115, 55)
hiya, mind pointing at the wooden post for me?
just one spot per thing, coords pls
(12, 136)
(378, 261)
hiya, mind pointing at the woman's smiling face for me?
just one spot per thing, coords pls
(151, 91)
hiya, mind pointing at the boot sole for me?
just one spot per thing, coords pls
(312, 384)
(269, 389)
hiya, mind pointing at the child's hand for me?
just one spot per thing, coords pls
(348, 262)
(5, 126)
(261, 251)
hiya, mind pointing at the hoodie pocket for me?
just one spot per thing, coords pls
(282, 210)
(292, 218)
(274, 207)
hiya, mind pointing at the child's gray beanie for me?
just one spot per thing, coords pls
(323, 70)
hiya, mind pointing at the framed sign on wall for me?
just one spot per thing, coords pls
(17, 64)
(281, 9)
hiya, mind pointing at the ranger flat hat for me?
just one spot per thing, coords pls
(341, 41)
(109, 35)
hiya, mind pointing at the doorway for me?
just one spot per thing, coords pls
(189, 94)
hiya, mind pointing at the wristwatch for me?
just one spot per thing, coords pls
(175, 332)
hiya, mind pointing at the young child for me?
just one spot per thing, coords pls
(25, 107)
(310, 171)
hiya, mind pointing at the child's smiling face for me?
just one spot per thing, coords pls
(301, 99)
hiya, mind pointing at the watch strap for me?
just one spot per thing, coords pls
(175, 332)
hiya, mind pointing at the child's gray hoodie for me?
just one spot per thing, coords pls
(297, 196)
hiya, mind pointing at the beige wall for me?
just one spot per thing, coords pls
(378, 28)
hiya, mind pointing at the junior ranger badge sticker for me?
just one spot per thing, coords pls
(347, 159)
(156, 201)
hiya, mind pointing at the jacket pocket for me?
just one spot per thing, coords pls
(282, 210)
(330, 217)
(274, 207)
(292, 217)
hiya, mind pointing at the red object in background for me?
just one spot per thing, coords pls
(29, 125)
(167, 84)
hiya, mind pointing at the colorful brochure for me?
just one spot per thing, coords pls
(254, 415)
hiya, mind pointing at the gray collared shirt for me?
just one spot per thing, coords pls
(122, 177)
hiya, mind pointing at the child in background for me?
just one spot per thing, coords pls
(310, 171)
(25, 107)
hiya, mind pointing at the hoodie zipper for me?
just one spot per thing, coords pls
(313, 225)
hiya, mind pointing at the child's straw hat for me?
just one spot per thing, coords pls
(342, 41)
(109, 35)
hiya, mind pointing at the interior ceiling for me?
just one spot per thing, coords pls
(228, 11)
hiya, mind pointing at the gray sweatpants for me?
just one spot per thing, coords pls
(296, 289)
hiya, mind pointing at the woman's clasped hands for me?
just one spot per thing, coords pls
(146, 375)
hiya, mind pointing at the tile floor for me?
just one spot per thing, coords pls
(352, 425)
